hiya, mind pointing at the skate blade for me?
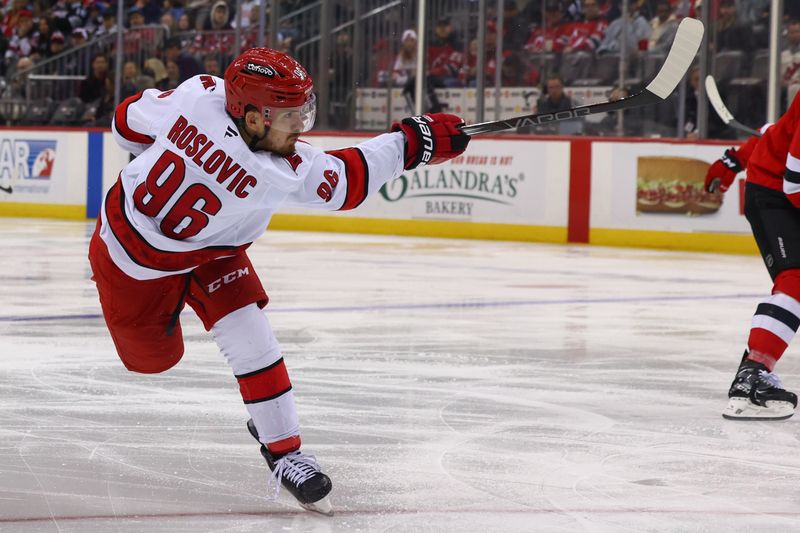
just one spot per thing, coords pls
(744, 409)
(322, 506)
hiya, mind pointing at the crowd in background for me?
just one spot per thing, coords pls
(169, 41)
(542, 41)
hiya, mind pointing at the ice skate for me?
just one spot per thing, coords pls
(757, 394)
(300, 475)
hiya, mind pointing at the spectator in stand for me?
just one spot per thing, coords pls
(94, 86)
(216, 34)
(79, 37)
(444, 56)
(141, 40)
(105, 108)
(132, 81)
(72, 63)
(17, 85)
(515, 27)
(469, 70)
(587, 34)
(553, 35)
(490, 66)
(664, 26)
(553, 101)
(636, 37)
(716, 128)
(572, 10)
(517, 73)
(109, 24)
(186, 63)
(211, 65)
(609, 125)
(731, 34)
(173, 75)
(94, 20)
(154, 68)
(405, 64)
(168, 22)
(285, 43)
(219, 17)
(135, 17)
(11, 16)
(174, 8)
(790, 61)
(185, 33)
(185, 24)
(249, 13)
(21, 42)
(41, 38)
(57, 45)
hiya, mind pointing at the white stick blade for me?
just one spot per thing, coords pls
(684, 48)
(716, 100)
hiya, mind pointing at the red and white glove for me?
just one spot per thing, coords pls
(432, 138)
(723, 171)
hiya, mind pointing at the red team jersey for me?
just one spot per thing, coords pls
(586, 34)
(775, 161)
(196, 192)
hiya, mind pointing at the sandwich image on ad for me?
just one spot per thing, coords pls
(668, 184)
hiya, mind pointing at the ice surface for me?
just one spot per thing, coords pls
(445, 386)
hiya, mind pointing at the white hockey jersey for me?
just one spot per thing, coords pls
(195, 192)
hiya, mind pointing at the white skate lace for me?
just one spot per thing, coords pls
(296, 467)
(770, 379)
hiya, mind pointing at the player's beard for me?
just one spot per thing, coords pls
(284, 148)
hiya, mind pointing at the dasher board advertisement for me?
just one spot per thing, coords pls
(47, 167)
(658, 186)
(512, 181)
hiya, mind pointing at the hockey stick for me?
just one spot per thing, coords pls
(719, 106)
(680, 57)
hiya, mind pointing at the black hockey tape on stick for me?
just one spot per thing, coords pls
(719, 106)
(681, 54)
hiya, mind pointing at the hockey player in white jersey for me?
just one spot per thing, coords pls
(214, 160)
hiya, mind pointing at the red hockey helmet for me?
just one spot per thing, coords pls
(274, 83)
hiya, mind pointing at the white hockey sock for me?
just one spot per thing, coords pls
(246, 340)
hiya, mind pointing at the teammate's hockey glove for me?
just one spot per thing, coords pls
(432, 138)
(723, 171)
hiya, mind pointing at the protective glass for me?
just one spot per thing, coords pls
(292, 119)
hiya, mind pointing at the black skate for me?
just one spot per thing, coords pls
(757, 394)
(300, 475)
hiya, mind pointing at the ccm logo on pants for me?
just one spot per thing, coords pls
(228, 278)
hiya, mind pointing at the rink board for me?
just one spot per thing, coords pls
(518, 188)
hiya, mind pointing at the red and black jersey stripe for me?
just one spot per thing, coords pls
(265, 384)
(121, 122)
(145, 254)
(355, 166)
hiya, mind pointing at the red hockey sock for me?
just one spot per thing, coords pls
(284, 446)
(776, 320)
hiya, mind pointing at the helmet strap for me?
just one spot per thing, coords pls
(254, 139)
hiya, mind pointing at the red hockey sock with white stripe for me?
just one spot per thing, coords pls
(774, 324)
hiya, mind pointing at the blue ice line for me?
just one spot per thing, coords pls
(444, 305)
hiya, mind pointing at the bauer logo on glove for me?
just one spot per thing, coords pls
(432, 138)
(426, 138)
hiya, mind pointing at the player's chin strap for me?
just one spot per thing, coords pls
(254, 139)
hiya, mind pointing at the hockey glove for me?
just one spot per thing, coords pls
(722, 172)
(432, 139)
